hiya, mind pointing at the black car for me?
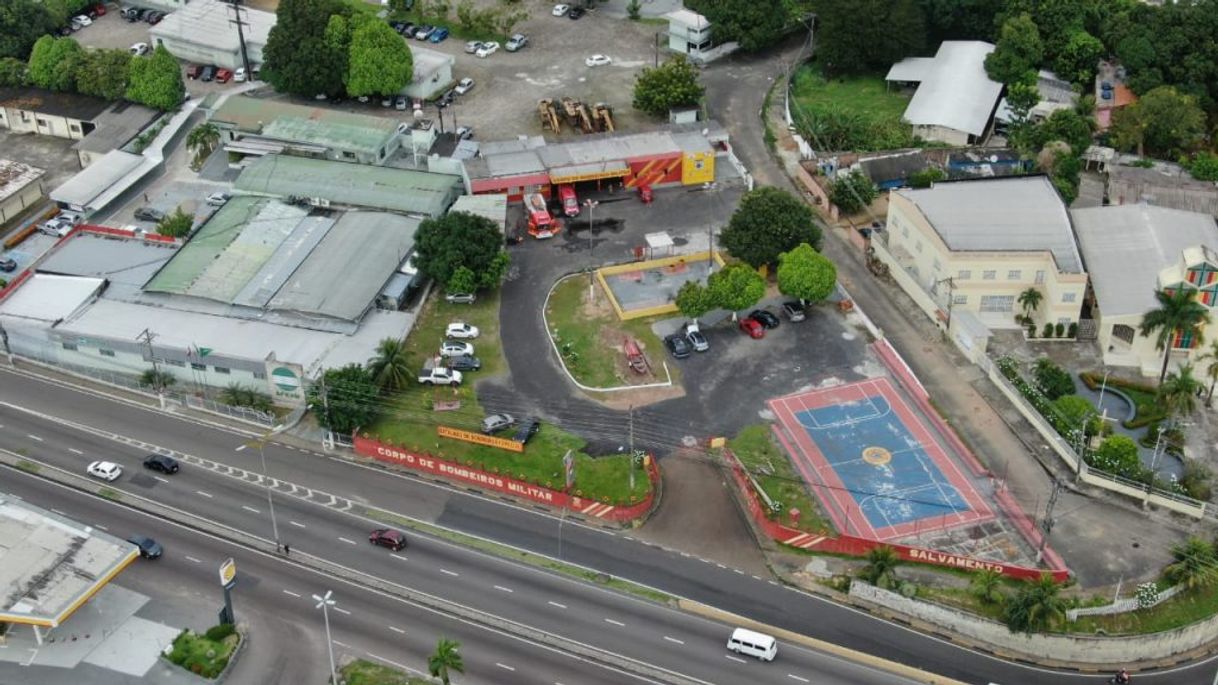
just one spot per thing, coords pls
(7, 264)
(527, 430)
(387, 537)
(465, 363)
(148, 213)
(408, 28)
(149, 548)
(576, 12)
(794, 311)
(162, 463)
(764, 318)
(397, 26)
(678, 346)
(208, 73)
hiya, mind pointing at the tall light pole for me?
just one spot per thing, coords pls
(1103, 386)
(266, 482)
(8, 351)
(591, 204)
(324, 603)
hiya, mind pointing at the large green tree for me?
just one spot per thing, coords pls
(203, 140)
(1017, 52)
(806, 274)
(672, 84)
(380, 62)
(388, 366)
(21, 23)
(156, 80)
(1078, 58)
(103, 73)
(960, 20)
(755, 24)
(1164, 121)
(1178, 315)
(53, 63)
(735, 287)
(1194, 563)
(1068, 126)
(297, 58)
(852, 192)
(856, 36)
(881, 568)
(1036, 607)
(459, 239)
(1178, 392)
(344, 399)
(1118, 455)
(768, 222)
(13, 72)
(693, 300)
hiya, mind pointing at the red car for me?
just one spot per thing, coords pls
(100, 8)
(224, 75)
(387, 537)
(193, 71)
(753, 327)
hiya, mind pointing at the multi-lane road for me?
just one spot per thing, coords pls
(321, 505)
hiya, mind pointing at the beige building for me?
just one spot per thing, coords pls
(974, 246)
(1132, 251)
(49, 113)
(20, 189)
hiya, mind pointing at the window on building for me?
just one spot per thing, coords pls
(997, 303)
(964, 275)
(1014, 275)
(1124, 333)
(1064, 320)
(198, 367)
(42, 122)
(69, 346)
(960, 299)
(1069, 297)
(221, 370)
(74, 128)
(1040, 277)
(989, 275)
(260, 375)
(106, 353)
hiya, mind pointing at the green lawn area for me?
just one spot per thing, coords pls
(364, 672)
(1181, 610)
(589, 338)
(202, 656)
(409, 420)
(772, 469)
(848, 113)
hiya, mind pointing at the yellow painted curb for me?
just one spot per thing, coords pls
(875, 662)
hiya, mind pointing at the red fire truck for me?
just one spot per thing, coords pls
(570, 203)
(541, 224)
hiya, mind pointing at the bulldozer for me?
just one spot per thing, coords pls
(602, 116)
(570, 109)
(584, 117)
(549, 118)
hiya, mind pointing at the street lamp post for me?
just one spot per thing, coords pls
(1103, 386)
(266, 483)
(324, 603)
(591, 204)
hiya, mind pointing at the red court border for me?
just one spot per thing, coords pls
(820, 475)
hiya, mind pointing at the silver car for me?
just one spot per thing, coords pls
(497, 422)
(456, 348)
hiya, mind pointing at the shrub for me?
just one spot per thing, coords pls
(1118, 455)
(926, 177)
(1072, 330)
(1059, 329)
(1048, 331)
(1196, 480)
(1148, 595)
(219, 632)
(1031, 330)
(1054, 381)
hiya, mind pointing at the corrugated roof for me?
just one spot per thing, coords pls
(688, 18)
(1126, 246)
(95, 179)
(49, 298)
(1022, 214)
(207, 22)
(128, 262)
(361, 185)
(953, 88)
(492, 206)
(316, 125)
(116, 126)
(1161, 187)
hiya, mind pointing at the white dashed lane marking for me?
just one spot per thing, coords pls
(735, 658)
(73, 450)
(250, 509)
(792, 676)
(397, 630)
(193, 560)
(556, 604)
(673, 639)
(504, 666)
(341, 610)
(289, 592)
(616, 623)
(503, 589)
(298, 525)
(204, 494)
(31, 436)
(451, 573)
(349, 542)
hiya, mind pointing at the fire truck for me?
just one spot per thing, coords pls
(541, 224)
(570, 203)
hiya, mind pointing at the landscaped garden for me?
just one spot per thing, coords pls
(773, 472)
(364, 672)
(857, 113)
(207, 654)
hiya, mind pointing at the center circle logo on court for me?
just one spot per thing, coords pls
(876, 456)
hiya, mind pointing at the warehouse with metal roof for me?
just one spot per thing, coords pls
(202, 32)
(955, 98)
(257, 126)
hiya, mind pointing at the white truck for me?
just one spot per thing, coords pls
(434, 374)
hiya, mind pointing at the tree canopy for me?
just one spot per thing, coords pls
(768, 222)
(852, 192)
(53, 63)
(735, 287)
(156, 80)
(461, 239)
(806, 274)
(379, 61)
(672, 84)
(1162, 122)
(693, 299)
(13, 72)
(1017, 52)
(297, 57)
(755, 24)
(855, 36)
(103, 73)
(350, 399)
(21, 23)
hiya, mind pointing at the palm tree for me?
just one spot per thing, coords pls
(1030, 300)
(1036, 606)
(987, 586)
(203, 139)
(1178, 392)
(1194, 564)
(1179, 313)
(388, 368)
(881, 566)
(445, 659)
(1211, 371)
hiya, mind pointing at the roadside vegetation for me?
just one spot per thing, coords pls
(365, 672)
(772, 470)
(207, 654)
(857, 113)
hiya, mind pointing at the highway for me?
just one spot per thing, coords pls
(325, 516)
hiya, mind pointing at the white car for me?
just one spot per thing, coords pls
(561, 10)
(105, 470)
(597, 61)
(239, 75)
(56, 228)
(464, 86)
(487, 49)
(140, 49)
(473, 46)
(456, 348)
(83, 20)
(461, 330)
(218, 199)
(69, 218)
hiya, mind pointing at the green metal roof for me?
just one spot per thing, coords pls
(302, 123)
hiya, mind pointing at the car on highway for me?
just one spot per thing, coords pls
(456, 348)
(105, 470)
(464, 86)
(8, 265)
(764, 318)
(752, 327)
(459, 298)
(497, 422)
(678, 346)
(461, 331)
(487, 49)
(560, 10)
(162, 463)
(149, 548)
(517, 41)
(464, 363)
(597, 61)
(388, 537)
(149, 214)
(527, 430)
(794, 311)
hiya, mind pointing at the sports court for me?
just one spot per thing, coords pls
(873, 462)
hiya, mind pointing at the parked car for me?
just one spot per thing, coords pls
(193, 71)
(71, 218)
(517, 41)
(694, 335)
(208, 73)
(472, 46)
(576, 12)
(560, 10)
(162, 463)
(140, 49)
(65, 30)
(239, 75)
(149, 548)
(464, 86)
(794, 311)
(149, 214)
(764, 318)
(388, 537)
(400, 103)
(678, 346)
(439, 35)
(597, 61)
(464, 133)
(460, 298)
(752, 327)
(464, 363)
(408, 28)
(74, 22)
(223, 75)
(218, 199)
(398, 26)
(461, 331)
(154, 17)
(487, 49)
(455, 348)
(527, 430)
(131, 14)
(56, 228)
(497, 422)
(422, 32)
(8, 265)
(105, 470)
(99, 9)
(83, 20)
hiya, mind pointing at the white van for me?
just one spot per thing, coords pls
(750, 643)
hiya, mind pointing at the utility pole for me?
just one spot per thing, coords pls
(8, 351)
(147, 336)
(710, 248)
(245, 57)
(1047, 524)
(632, 448)
(328, 443)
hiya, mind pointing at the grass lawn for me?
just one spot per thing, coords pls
(1181, 610)
(854, 113)
(364, 672)
(191, 651)
(590, 337)
(409, 419)
(772, 469)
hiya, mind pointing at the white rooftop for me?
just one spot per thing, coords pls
(94, 180)
(1127, 246)
(953, 89)
(492, 206)
(688, 18)
(15, 176)
(207, 21)
(1021, 214)
(49, 298)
